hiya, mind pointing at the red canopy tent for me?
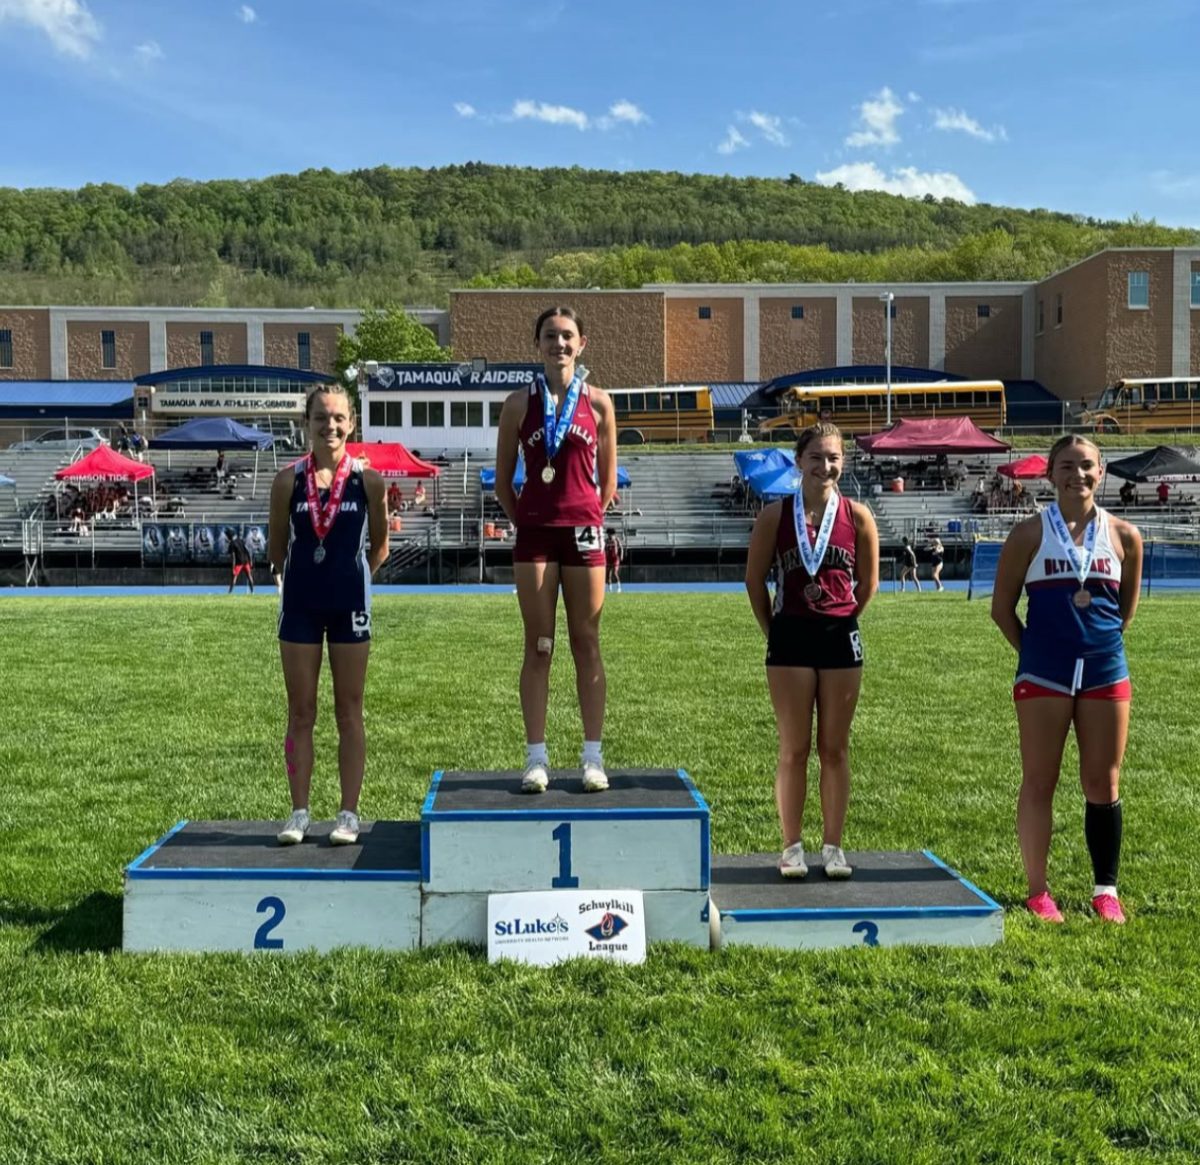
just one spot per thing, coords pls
(105, 464)
(930, 437)
(391, 459)
(1028, 467)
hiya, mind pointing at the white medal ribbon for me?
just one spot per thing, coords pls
(1080, 557)
(813, 554)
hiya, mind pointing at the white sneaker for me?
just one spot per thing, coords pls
(345, 829)
(535, 779)
(791, 863)
(294, 828)
(836, 865)
(595, 779)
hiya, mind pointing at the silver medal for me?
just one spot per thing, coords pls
(548, 474)
(319, 555)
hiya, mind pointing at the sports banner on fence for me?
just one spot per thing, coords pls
(544, 927)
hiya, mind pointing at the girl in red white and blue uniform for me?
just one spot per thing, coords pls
(329, 529)
(566, 432)
(825, 552)
(1081, 569)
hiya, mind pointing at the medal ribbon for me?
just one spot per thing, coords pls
(1079, 556)
(323, 517)
(555, 432)
(812, 555)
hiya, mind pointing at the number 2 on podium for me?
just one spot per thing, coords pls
(276, 909)
(565, 880)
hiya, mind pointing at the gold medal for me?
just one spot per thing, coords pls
(1082, 599)
(548, 474)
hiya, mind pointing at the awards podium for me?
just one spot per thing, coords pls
(228, 886)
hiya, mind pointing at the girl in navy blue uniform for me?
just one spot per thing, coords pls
(566, 431)
(329, 529)
(825, 552)
(1082, 571)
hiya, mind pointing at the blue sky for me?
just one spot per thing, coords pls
(1074, 105)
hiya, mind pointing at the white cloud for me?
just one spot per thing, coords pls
(626, 111)
(150, 51)
(913, 98)
(877, 117)
(464, 109)
(551, 114)
(247, 15)
(72, 29)
(769, 126)
(957, 120)
(734, 141)
(906, 180)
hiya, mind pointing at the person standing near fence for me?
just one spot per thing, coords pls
(824, 550)
(329, 529)
(1082, 571)
(566, 430)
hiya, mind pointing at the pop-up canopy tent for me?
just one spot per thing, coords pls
(215, 433)
(1163, 461)
(929, 437)
(1028, 467)
(748, 462)
(105, 464)
(391, 459)
(8, 483)
(774, 481)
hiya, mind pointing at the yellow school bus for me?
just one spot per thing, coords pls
(863, 408)
(675, 412)
(1147, 405)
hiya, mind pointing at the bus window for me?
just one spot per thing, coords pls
(1108, 398)
(688, 401)
(1195, 390)
(635, 402)
(1150, 392)
(1133, 394)
(621, 405)
(667, 404)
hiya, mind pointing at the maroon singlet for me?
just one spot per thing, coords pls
(573, 497)
(836, 572)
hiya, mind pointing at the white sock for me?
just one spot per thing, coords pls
(536, 754)
(1099, 890)
(592, 753)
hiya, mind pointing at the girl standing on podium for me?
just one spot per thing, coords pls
(825, 552)
(1082, 571)
(566, 432)
(329, 529)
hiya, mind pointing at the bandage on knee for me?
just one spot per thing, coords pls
(545, 645)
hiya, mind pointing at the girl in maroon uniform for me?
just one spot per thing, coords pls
(566, 431)
(825, 550)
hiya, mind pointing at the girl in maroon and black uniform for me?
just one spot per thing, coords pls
(825, 550)
(566, 431)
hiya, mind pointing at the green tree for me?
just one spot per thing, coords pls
(388, 335)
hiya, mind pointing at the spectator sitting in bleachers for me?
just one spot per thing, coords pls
(1128, 494)
(419, 499)
(395, 499)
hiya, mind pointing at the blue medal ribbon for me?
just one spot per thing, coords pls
(557, 430)
(1080, 557)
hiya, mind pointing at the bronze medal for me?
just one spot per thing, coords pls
(548, 474)
(1082, 598)
(812, 592)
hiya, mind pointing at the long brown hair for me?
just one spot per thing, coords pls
(565, 312)
(816, 433)
(321, 390)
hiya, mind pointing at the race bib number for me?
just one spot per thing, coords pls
(360, 622)
(588, 538)
(856, 645)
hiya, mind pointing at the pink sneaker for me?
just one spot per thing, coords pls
(1109, 908)
(1045, 907)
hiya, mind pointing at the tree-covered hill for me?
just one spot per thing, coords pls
(384, 234)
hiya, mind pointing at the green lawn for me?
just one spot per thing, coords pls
(1079, 1043)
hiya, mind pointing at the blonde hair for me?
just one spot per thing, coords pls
(1066, 442)
(321, 390)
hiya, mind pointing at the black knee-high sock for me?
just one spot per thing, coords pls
(1102, 829)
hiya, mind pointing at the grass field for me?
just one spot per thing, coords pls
(1079, 1043)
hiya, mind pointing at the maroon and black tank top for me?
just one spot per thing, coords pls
(573, 497)
(836, 572)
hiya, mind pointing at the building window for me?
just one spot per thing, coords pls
(797, 311)
(303, 351)
(428, 414)
(1196, 289)
(466, 414)
(1139, 288)
(495, 408)
(206, 348)
(378, 414)
(6, 360)
(1058, 310)
(1041, 316)
(706, 313)
(984, 311)
(108, 349)
(394, 416)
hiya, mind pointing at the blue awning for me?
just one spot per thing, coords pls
(213, 433)
(55, 394)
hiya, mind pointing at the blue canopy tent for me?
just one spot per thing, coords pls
(215, 433)
(487, 477)
(748, 462)
(8, 483)
(774, 481)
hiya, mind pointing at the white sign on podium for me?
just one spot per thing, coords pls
(544, 927)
